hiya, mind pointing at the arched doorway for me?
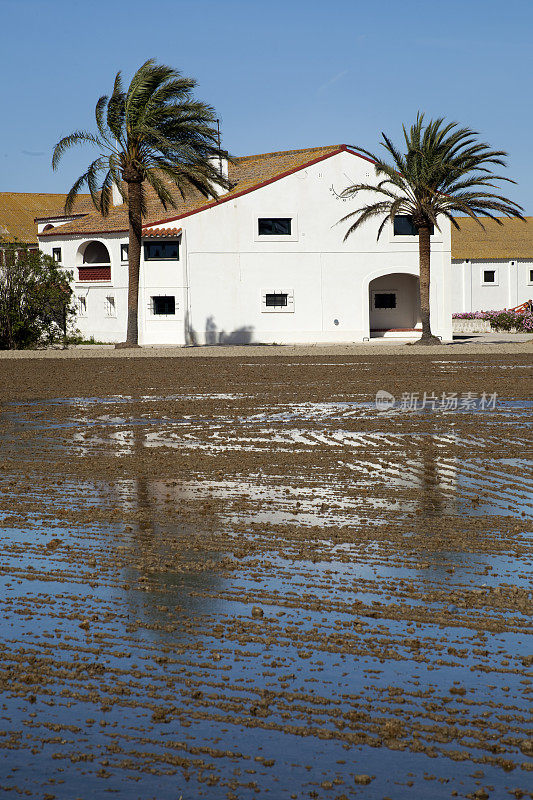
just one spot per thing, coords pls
(394, 305)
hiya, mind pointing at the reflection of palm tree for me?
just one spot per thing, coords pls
(175, 584)
(431, 497)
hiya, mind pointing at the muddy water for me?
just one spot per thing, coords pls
(254, 583)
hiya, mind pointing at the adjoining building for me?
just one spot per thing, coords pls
(265, 262)
(493, 268)
(18, 212)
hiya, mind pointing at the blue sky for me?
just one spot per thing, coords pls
(281, 74)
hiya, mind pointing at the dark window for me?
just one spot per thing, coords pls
(531, 275)
(124, 252)
(276, 299)
(385, 300)
(275, 226)
(489, 276)
(164, 305)
(404, 226)
(96, 253)
(56, 254)
(161, 251)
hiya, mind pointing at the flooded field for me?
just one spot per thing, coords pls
(238, 578)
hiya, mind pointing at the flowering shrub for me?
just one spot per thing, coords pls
(502, 320)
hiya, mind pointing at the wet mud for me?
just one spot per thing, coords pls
(235, 578)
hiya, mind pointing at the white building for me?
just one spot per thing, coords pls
(493, 268)
(265, 262)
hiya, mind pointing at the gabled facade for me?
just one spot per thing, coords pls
(266, 262)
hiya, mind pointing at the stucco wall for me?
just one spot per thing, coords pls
(225, 268)
(512, 287)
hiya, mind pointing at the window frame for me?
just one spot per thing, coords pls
(110, 306)
(286, 309)
(495, 282)
(155, 314)
(530, 276)
(59, 259)
(81, 300)
(176, 242)
(273, 238)
(384, 291)
(407, 235)
(124, 248)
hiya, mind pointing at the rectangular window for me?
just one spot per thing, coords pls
(161, 251)
(489, 276)
(531, 276)
(124, 252)
(404, 226)
(163, 305)
(82, 306)
(274, 226)
(384, 300)
(110, 308)
(276, 300)
(56, 254)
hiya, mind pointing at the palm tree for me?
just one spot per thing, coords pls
(444, 171)
(153, 133)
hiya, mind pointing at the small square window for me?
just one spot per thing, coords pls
(82, 306)
(384, 300)
(489, 276)
(124, 252)
(274, 226)
(56, 254)
(161, 251)
(163, 305)
(276, 300)
(110, 307)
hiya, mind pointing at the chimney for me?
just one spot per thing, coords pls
(115, 195)
(220, 163)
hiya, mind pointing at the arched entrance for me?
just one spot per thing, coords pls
(394, 305)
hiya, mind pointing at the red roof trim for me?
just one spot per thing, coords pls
(343, 148)
(148, 233)
(229, 197)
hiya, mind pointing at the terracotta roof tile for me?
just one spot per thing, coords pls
(513, 239)
(154, 233)
(246, 173)
(18, 211)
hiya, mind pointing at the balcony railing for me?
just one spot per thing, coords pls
(94, 272)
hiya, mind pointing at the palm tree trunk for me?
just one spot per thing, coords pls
(134, 261)
(424, 256)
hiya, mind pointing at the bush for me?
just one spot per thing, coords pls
(504, 320)
(35, 299)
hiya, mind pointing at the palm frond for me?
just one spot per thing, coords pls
(78, 137)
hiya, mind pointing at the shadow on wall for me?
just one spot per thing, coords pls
(242, 335)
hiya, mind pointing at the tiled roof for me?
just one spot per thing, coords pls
(154, 233)
(246, 173)
(513, 239)
(18, 211)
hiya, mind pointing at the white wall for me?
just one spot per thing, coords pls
(225, 268)
(512, 287)
(230, 266)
